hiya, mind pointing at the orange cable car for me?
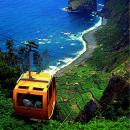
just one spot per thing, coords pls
(36, 97)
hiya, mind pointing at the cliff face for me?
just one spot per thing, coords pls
(113, 103)
(119, 16)
(113, 37)
(85, 5)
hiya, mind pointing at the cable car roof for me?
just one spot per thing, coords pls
(39, 81)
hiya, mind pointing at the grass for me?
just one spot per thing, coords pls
(9, 122)
(80, 79)
(73, 88)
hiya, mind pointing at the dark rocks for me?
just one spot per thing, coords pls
(88, 112)
(82, 5)
(116, 87)
(115, 102)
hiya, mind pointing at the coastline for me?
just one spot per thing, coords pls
(89, 41)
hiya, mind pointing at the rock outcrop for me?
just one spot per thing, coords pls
(82, 5)
(115, 102)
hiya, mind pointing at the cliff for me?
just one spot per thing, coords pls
(111, 55)
(113, 38)
(82, 5)
(112, 104)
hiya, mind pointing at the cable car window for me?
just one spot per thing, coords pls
(23, 87)
(29, 100)
(38, 89)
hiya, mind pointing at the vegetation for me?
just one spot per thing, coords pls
(82, 76)
(113, 38)
(75, 87)
(9, 121)
(77, 90)
(9, 67)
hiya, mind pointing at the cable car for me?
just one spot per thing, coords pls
(35, 97)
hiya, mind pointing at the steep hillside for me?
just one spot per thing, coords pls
(112, 56)
(113, 38)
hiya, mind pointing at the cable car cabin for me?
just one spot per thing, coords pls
(35, 97)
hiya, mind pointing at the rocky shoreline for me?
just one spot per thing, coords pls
(90, 41)
(85, 5)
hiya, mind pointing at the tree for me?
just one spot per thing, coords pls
(45, 59)
(37, 61)
(11, 56)
(9, 46)
(22, 56)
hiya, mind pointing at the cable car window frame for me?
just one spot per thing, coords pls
(32, 101)
(38, 89)
(23, 87)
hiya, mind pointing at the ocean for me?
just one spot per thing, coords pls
(48, 24)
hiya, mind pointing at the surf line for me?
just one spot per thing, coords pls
(54, 69)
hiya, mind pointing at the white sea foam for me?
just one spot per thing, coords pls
(72, 44)
(65, 9)
(58, 63)
(52, 69)
(99, 10)
(68, 60)
(101, 5)
(45, 39)
(66, 33)
(74, 36)
(39, 39)
(41, 42)
(61, 47)
(48, 41)
(92, 14)
(94, 27)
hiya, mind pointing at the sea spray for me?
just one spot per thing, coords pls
(68, 61)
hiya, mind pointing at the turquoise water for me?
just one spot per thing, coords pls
(47, 24)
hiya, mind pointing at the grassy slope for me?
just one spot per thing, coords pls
(111, 56)
(112, 44)
(8, 121)
(75, 86)
(89, 79)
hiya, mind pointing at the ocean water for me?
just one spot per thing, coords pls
(48, 24)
